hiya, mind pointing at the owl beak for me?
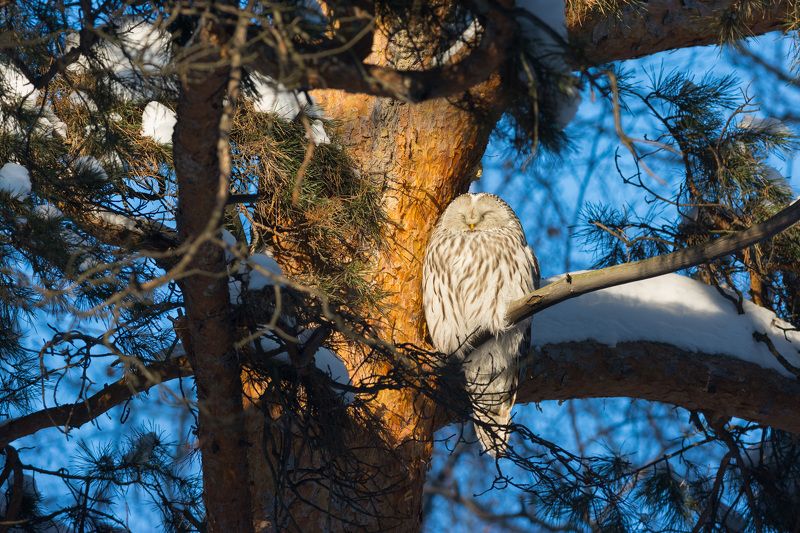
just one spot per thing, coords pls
(471, 227)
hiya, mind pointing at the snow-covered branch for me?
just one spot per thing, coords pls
(573, 285)
(669, 339)
(674, 310)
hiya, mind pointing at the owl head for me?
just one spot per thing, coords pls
(477, 212)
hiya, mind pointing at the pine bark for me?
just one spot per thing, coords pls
(199, 170)
(427, 153)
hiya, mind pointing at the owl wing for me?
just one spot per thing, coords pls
(533, 262)
(493, 372)
(440, 305)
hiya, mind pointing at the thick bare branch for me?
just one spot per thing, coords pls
(640, 369)
(659, 25)
(597, 36)
(663, 373)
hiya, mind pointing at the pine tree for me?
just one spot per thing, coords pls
(226, 205)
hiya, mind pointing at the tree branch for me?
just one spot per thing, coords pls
(77, 414)
(597, 36)
(641, 369)
(661, 25)
(138, 234)
(663, 373)
(573, 285)
(346, 72)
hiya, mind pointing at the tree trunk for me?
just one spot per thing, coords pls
(427, 154)
(203, 177)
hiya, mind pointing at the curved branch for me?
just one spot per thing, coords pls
(77, 414)
(663, 373)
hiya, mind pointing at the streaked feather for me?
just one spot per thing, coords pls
(469, 279)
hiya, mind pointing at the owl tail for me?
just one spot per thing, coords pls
(494, 438)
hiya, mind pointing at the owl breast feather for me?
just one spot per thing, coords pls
(468, 281)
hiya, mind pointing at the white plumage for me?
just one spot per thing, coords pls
(476, 263)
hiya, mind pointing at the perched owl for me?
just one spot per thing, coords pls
(476, 264)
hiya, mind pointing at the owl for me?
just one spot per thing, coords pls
(477, 263)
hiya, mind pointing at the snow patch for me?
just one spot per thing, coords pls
(325, 360)
(142, 46)
(15, 87)
(135, 57)
(234, 291)
(115, 219)
(254, 274)
(158, 122)
(331, 364)
(318, 134)
(16, 90)
(53, 124)
(15, 181)
(258, 279)
(672, 309)
(769, 125)
(81, 99)
(47, 212)
(274, 98)
(230, 243)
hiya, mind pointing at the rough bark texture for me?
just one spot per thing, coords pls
(424, 166)
(659, 25)
(663, 373)
(210, 329)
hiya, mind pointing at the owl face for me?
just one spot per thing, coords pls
(477, 212)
